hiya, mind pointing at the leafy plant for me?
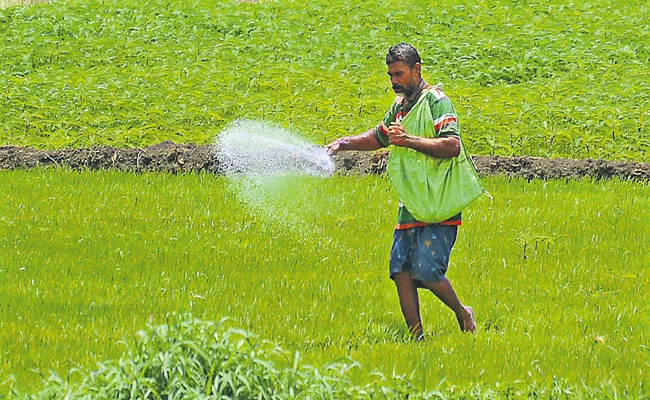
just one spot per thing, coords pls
(536, 79)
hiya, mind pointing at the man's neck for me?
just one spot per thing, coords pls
(416, 93)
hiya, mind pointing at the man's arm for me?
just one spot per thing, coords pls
(440, 147)
(366, 141)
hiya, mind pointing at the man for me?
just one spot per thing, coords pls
(420, 251)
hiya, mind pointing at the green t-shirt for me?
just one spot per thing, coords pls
(446, 124)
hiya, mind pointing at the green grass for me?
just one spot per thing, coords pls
(8, 3)
(537, 78)
(87, 258)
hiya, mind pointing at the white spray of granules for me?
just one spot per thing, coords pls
(272, 171)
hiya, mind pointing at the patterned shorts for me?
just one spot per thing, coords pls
(423, 251)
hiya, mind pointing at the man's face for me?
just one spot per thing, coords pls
(404, 79)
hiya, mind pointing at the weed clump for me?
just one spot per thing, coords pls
(188, 358)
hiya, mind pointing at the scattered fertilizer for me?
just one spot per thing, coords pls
(273, 171)
(258, 148)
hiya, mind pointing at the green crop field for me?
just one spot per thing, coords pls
(7, 3)
(536, 78)
(556, 270)
(88, 258)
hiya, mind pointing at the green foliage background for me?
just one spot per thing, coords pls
(549, 79)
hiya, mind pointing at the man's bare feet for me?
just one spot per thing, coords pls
(467, 322)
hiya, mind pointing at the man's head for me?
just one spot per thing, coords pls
(404, 68)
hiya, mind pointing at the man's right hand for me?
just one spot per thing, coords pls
(367, 141)
(337, 145)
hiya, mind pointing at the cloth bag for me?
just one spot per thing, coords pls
(432, 189)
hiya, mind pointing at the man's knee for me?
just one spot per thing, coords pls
(400, 277)
(436, 285)
(404, 280)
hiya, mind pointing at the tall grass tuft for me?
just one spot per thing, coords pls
(187, 358)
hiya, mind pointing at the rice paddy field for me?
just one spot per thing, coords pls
(111, 279)
(556, 272)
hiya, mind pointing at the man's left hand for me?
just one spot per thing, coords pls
(439, 147)
(397, 135)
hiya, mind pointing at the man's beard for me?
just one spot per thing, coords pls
(405, 91)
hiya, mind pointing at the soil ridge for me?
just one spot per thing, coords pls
(183, 158)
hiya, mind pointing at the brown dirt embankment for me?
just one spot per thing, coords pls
(180, 158)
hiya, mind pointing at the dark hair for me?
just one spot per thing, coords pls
(405, 53)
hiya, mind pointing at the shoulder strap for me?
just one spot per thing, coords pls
(437, 91)
(423, 95)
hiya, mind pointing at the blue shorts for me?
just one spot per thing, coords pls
(423, 251)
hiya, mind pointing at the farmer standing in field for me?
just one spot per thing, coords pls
(423, 147)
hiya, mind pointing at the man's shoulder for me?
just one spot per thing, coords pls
(436, 94)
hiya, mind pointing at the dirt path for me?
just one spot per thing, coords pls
(171, 157)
